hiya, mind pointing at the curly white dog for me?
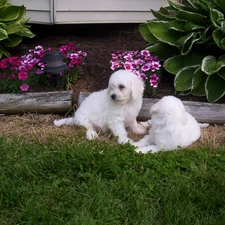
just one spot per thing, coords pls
(114, 108)
(171, 127)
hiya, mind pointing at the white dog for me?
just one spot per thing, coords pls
(114, 108)
(171, 127)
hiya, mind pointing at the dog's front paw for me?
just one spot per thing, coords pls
(137, 144)
(91, 134)
(146, 124)
(124, 140)
(146, 149)
(139, 129)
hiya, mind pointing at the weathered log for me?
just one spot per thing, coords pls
(38, 102)
(202, 111)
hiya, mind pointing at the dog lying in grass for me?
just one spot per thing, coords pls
(171, 127)
(115, 108)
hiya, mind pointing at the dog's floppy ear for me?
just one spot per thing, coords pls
(137, 87)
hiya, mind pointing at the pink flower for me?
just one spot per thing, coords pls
(146, 67)
(145, 53)
(22, 75)
(24, 87)
(4, 63)
(155, 66)
(115, 66)
(11, 76)
(2, 76)
(154, 80)
(128, 66)
(140, 63)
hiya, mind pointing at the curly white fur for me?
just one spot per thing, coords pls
(171, 127)
(114, 108)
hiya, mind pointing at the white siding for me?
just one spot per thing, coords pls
(39, 11)
(89, 11)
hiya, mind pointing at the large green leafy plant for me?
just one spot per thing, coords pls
(12, 26)
(190, 39)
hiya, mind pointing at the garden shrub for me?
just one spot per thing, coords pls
(13, 26)
(190, 40)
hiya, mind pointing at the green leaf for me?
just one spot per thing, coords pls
(3, 26)
(12, 12)
(182, 41)
(162, 14)
(3, 34)
(12, 41)
(146, 34)
(13, 28)
(179, 6)
(193, 4)
(175, 64)
(3, 52)
(210, 65)
(218, 36)
(198, 83)
(191, 16)
(187, 47)
(222, 25)
(190, 26)
(160, 30)
(3, 2)
(183, 93)
(25, 32)
(177, 25)
(183, 79)
(163, 51)
(204, 6)
(220, 4)
(215, 88)
(205, 36)
(215, 15)
(223, 43)
(221, 73)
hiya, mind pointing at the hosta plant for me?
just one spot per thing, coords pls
(13, 26)
(190, 39)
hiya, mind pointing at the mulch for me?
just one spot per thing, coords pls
(99, 42)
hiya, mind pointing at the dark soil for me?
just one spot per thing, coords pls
(99, 41)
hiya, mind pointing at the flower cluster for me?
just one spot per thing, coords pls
(139, 62)
(20, 73)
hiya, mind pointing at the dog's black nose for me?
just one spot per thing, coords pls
(113, 96)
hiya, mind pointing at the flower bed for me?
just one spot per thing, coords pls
(142, 63)
(24, 73)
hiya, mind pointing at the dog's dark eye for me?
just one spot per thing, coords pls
(121, 86)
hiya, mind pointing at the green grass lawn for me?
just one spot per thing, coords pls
(81, 182)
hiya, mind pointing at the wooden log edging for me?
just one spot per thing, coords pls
(203, 112)
(38, 102)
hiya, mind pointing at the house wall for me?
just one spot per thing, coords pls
(89, 11)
